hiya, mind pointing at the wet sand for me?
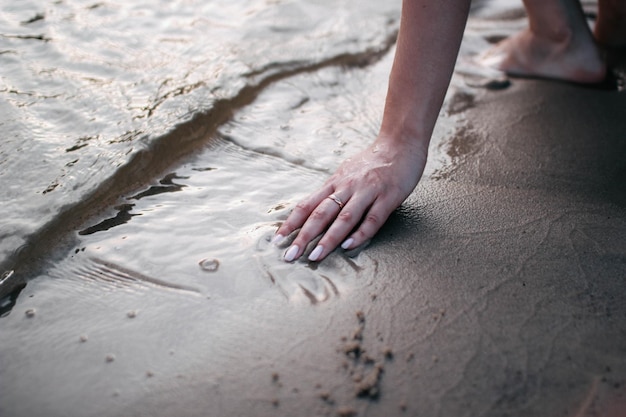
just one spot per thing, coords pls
(496, 289)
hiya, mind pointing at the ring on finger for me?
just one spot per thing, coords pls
(336, 200)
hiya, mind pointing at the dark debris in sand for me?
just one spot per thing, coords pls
(366, 370)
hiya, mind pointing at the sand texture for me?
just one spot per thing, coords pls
(497, 289)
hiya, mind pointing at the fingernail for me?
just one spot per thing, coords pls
(278, 239)
(291, 253)
(314, 256)
(347, 243)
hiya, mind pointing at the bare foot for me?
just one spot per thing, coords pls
(564, 57)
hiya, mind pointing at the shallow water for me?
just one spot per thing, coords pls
(170, 140)
(86, 86)
(102, 99)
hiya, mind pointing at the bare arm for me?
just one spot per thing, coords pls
(377, 180)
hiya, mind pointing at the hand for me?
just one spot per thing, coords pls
(366, 187)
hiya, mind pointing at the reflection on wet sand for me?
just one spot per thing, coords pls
(495, 290)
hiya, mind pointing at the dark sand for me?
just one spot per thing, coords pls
(496, 290)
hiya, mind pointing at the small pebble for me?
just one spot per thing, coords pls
(209, 265)
(388, 352)
(149, 374)
(131, 314)
(368, 360)
(30, 313)
(368, 387)
(361, 316)
(82, 338)
(345, 411)
(402, 405)
(109, 358)
(324, 395)
(353, 349)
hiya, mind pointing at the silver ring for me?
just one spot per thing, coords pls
(336, 200)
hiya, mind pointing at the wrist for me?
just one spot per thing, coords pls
(402, 141)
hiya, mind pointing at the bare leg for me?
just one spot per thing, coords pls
(557, 44)
(610, 29)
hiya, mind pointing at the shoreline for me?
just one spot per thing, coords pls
(494, 290)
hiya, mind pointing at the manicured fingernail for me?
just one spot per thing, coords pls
(347, 243)
(278, 239)
(314, 256)
(291, 253)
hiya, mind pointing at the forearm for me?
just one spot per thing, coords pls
(367, 187)
(428, 43)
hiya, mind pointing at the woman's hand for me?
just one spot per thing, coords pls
(365, 190)
(355, 202)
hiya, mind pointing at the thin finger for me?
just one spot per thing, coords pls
(371, 224)
(300, 214)
(317, 222)
(345, 222)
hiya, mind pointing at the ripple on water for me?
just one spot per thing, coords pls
(114, 276)
(314, 282)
